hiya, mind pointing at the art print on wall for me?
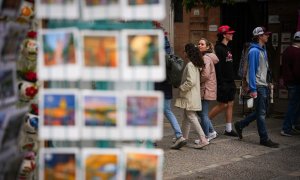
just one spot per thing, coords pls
(100, 9)
(100, 51)
(100, 115)
(59, 114)
(59, 55)
(143, 55)
(57, 9)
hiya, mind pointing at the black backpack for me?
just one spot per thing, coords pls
(175, 66)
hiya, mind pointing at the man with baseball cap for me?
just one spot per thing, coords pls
(291, 76)
(257, 78)
(226, 88)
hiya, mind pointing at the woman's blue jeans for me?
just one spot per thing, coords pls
(205, 121)
(293, 111)
(171, 117)
(261, 105)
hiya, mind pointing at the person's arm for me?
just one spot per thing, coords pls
(253, 63)
(205, 73)
(190, 78)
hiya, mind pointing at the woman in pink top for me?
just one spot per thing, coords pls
(208, 86)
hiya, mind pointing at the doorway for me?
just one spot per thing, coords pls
(243, 17)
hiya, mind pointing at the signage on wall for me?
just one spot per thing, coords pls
(212, 27)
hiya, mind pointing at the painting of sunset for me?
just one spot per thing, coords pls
(59, 166)
(101, 166)
(100, 51)
(59, 109)
(58, 48)
(100, 111)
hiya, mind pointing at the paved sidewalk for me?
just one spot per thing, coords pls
(230, 158)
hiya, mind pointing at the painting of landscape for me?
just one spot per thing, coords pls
(100, 111)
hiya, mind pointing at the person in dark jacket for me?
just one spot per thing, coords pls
(291, 76)
(226, 88)
(167, 89)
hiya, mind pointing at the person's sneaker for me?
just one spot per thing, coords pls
(285, 134)
(231, 133)
(238, 129)
(212, 136)
(197, 141)
(269, 144)
(201, 145)
(179, 143)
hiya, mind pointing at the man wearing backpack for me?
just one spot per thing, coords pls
(257, 78)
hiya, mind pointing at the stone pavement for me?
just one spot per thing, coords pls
(230, 158)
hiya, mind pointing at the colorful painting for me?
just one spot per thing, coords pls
(142, 2)
(60, 166)
(100, 111)
(100, 2)
(56, 1)
(142, 111)
(143, 50)
(59, 109)
(58, 48)
(101, 166)
(141, 166)
(100, 51)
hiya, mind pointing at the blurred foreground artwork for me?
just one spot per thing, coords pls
(58, 164)
(59, 110)
(100, 111)
(101, 164)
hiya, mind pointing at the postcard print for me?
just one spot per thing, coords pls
(143, 163)
(59, 163)
(101, 164)
(59, 114)
(100, 115)
(100, 51)
(101, 9)
(8, 84)
(59, 56)
(57, 9)
(143, 113)
(143, 55)
(143, 9)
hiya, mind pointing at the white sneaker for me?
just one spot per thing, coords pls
(197, 141)
(212, 136)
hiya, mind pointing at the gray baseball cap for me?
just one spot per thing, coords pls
(260, 31)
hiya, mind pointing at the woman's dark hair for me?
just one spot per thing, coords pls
(220, 37)
(194, 55)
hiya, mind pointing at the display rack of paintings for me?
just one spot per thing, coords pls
(41, 101)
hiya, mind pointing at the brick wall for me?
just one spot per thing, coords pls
(194, 26)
